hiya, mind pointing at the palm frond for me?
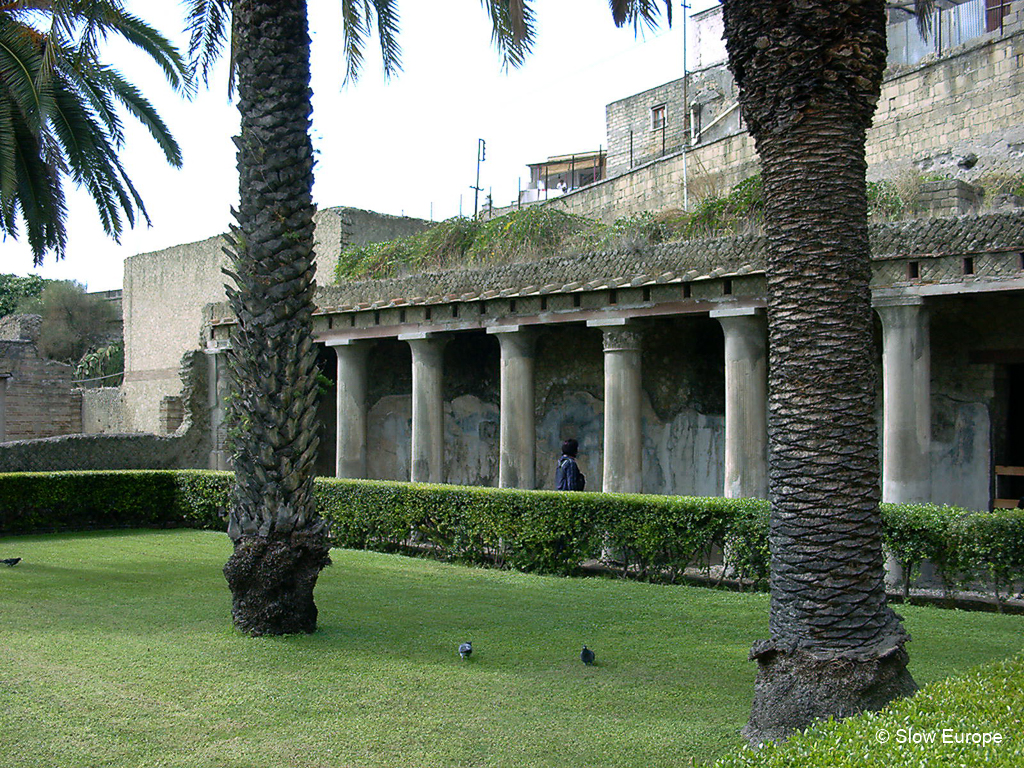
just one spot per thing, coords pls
(513, 29)
(111, 82)
(639, 12)
(208, 23)
(387, 31)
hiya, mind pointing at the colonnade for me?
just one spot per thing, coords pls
(906, 424)
(622, 460)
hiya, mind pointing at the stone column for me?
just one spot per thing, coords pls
(427, 407)
(906, 387)
(518, 436)
(623, 441)
(217, 389)
(746, 402)
(350, 456)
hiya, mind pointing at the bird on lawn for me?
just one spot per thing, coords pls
(587, 656)
(10, 562)
(465, 649)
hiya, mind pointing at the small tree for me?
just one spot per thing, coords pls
(74, 322)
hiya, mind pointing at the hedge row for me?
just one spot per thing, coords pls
(655, 536)
(968, 721)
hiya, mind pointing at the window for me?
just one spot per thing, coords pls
(658, 117)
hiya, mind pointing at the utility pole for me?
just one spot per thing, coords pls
(686, 117)
(481, 155)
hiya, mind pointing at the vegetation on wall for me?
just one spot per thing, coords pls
(540, 231)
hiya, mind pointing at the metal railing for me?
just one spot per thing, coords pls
(949, 28)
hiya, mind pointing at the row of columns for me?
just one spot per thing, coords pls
(906, 425)
(622, 469)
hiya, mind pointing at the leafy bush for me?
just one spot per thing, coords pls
(14, 290)
(886, 200)
(530, 233)
(943, 724)
(72, 501)
(657, 537)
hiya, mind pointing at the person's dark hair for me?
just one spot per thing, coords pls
(570, 447)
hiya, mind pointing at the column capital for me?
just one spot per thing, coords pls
(883, 302)
(348, 342)
(736, 312)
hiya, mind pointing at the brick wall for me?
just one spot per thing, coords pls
(188, 448)
(39, 401)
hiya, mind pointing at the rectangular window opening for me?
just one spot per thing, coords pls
(543, 303)
(330, 322)
(376, 318)
(455, 310)
(577, 300)
(969, 265)
(401, 316)
(647, 294)
(613, 297)
(512, 306)
(658, 117)
(913, 270)
(687, 292)
(426, 315)
(727, 287)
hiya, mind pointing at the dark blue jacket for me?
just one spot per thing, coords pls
(568, 476)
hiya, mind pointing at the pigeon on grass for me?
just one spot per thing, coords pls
(587, 656)
(10, 562)
(465, 649)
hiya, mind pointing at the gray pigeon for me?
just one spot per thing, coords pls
(465, 650)
(587, 656)
(10, 562)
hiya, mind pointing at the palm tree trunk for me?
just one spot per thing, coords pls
(280, 543)
(809, 77)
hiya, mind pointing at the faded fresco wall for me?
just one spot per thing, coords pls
(683, 413)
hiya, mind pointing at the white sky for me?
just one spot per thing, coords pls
(404, 147)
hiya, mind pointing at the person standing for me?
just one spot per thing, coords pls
(567, 475)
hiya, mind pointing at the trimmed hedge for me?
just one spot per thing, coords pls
(972, 720)
(544, 531)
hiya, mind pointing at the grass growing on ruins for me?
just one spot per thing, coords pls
(118, 651)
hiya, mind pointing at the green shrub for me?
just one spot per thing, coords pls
(657, 537)
(988, 700)
(71, 501)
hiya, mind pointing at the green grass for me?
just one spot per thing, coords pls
(116, 649)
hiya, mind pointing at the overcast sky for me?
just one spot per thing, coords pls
(404, 147)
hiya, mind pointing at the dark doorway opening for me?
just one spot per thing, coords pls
(1010, 460)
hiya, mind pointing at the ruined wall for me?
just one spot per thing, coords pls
(188, 448)
(39, 399)
(103, 411)
(165, 292)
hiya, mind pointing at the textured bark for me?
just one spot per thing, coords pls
(280, 544)
(809, 73)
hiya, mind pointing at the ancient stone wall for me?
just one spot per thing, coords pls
(189, 447)
(39, 399)
(165, 292)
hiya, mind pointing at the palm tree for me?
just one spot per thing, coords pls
(280, 543)
(809, 76)
(59, 118)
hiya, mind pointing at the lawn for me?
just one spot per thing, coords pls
(116, 649)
